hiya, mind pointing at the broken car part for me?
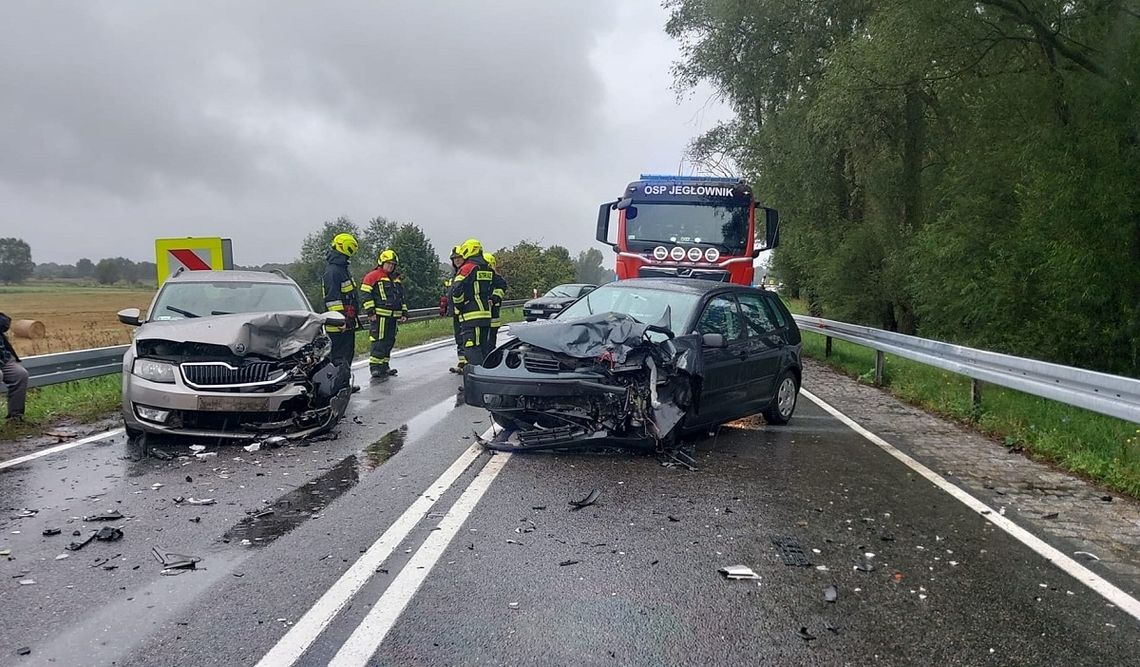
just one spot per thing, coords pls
(587, 501)
(738, 572)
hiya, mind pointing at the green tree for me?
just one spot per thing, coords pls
(376, 236)
(588, 268)
(419, 266)
(526, 266)
(963, 170)
(108, 271)
(16, 264)
(84, 268)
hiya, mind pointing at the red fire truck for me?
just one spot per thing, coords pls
(688, 227)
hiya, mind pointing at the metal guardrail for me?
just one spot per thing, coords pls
(1111, 395)
(47, 369)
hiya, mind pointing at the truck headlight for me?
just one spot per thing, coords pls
(155, 371)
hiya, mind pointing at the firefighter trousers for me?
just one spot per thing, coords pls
(383, 336)
(474, 342)
(458, 338)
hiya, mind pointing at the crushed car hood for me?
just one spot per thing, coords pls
(273, 335)
(585, 338)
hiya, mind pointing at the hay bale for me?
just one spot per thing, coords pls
(31, 329)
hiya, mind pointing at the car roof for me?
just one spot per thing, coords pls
(576, 285)
(230, 276)
(686, 285)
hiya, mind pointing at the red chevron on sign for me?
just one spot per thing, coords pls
(190, 259)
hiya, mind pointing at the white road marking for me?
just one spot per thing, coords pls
(368, 636)
(60, 448)
(302, 635)
(1079, 572)
(426, 347)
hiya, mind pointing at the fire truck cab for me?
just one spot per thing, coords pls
(688, 227)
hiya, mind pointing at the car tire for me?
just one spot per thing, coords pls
(783, 405)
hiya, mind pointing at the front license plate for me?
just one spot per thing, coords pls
(233, 404)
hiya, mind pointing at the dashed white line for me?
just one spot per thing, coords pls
(362, 644)
(1079, 572)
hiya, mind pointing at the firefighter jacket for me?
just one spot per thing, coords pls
(339, 291)
(382, 294)
(471, 290)
(498, 292)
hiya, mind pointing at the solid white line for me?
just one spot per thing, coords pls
(368, 636)
(60, 448)
(302, 635)
(1079, 572)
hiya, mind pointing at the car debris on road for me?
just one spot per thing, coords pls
(738, 572)
(587, 501)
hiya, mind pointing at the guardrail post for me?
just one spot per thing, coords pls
(976, 396)
(827, 346)
(878, 367)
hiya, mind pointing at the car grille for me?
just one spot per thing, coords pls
(221, 374)
(718, 275)
(541, 364)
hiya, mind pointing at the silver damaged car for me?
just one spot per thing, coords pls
(232, 354)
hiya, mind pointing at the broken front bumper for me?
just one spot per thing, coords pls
(176, 409)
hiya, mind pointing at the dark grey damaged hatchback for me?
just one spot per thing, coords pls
(642, 361)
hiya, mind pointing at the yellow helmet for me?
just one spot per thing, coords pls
(455, 251)
(388, 255)
(345, 244)
(490, 259)
(470, 248)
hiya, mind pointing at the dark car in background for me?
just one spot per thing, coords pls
(643, 361)
(555, 300)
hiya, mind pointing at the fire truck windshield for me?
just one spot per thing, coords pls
(720, 226)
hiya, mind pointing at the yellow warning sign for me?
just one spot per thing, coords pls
(192, 254)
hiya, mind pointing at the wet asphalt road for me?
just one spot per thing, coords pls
(630, 580)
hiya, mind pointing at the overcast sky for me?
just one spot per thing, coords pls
(121, 122)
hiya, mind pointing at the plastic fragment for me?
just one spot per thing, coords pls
(568, 562)
(738, 572)
(1087, 555)
(109, 515)
(587, 501)
(831, 594)
(48, 532)
(805, 635)
(200, 501)
(109, 534)
(24, 650)
(253, 447)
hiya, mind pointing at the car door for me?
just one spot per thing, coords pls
(723, 387)
(764, 348)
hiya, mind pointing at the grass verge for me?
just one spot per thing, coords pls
(1101, 448)
(96, 398)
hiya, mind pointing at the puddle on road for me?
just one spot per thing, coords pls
(297, 506)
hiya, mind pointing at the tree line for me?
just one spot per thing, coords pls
(527, 266)
(963, 169)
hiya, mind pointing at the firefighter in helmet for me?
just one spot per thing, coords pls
(471, 290)
(383, 301)
(447, 308)
(341, 296)
(498, 293)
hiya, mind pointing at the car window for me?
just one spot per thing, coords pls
(648, 306)
(561, 292)
(756, 314)
(720, 317)
(179, 301)
(585, 290)
(776, 310)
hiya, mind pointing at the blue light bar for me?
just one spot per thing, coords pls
(681, 179)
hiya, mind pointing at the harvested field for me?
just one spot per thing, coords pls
(75, 317)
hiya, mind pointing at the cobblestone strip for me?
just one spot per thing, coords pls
(1066, 511)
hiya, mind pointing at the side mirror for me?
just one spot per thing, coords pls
(622, 204)
(131, 317)
(713, 340)
(335, 319)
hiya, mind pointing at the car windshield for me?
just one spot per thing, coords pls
(722, 227)
(646, 305)
(563, 291)
(179, 301)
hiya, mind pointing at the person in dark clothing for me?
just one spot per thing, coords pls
(447, 308)
(383, 303)
(15, 375)
(471, 296)
(498, 293)
(340, 295)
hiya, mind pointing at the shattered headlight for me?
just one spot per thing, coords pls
(155, 371)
